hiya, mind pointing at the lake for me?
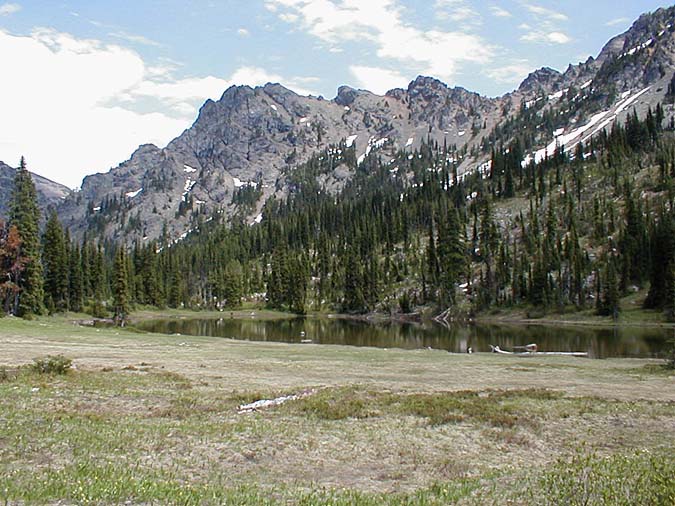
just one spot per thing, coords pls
(597, 342)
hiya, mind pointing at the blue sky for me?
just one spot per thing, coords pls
(86, 82)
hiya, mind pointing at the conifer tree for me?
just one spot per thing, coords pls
(121, 287)
(297, 287)
(610, 294)
(232, 284)
(55, 264)
(278, 284)
(25, 216)
(452, 252)
(98, 280)
(75, 279)
(663, 257)
(354, 301)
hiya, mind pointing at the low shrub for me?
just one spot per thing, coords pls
(52, 364)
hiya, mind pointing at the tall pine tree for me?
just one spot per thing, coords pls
(25, 216)
(121, 287)
(55, 263)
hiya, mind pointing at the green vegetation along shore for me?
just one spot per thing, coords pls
(154, 419)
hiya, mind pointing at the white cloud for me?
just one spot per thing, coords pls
(136, 39)
(499, 12)
(541, 36)
(559, 38)
(547, 26)
(289, 18)
(457, 10)
(513, 73)
(79, 106)
(383, 24)
(243, 32)
(543, 12)
(9, 8)
(378, 80)
(617, 21)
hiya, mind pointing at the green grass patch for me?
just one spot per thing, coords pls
(619, 480)
(494, 408)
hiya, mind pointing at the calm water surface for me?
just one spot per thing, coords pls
(599, 343)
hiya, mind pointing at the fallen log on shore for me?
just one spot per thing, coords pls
(268, 403)
(533, 352)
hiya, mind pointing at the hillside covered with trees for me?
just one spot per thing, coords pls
(575, 231)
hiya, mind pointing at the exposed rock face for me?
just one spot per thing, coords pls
(252, 136)
(50, 194)
(543, 80)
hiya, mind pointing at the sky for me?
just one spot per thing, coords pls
(85, 82)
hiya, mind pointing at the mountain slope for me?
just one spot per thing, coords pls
(50, 194)
(236, 154)
(249, 137)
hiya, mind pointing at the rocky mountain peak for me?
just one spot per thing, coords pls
(427, 87)
(642, 55)
(544, 78)
(347, 95)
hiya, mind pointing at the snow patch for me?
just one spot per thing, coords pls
(238, 183)
(484, 168)
(637, 48)
(189, 169)
(410, 142)
(586, 84)
(274, 107)
(131, 195)
(189, 184)
(372, 143)
(558, 94)
(350, 140)
(597, 122)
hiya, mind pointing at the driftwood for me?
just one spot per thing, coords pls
(531, 350)
(268, 403)
(443, 318)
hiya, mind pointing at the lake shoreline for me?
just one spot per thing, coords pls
(503, 318)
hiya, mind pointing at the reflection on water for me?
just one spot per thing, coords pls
(599, 343)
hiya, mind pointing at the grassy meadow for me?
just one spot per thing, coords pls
(152, 419)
